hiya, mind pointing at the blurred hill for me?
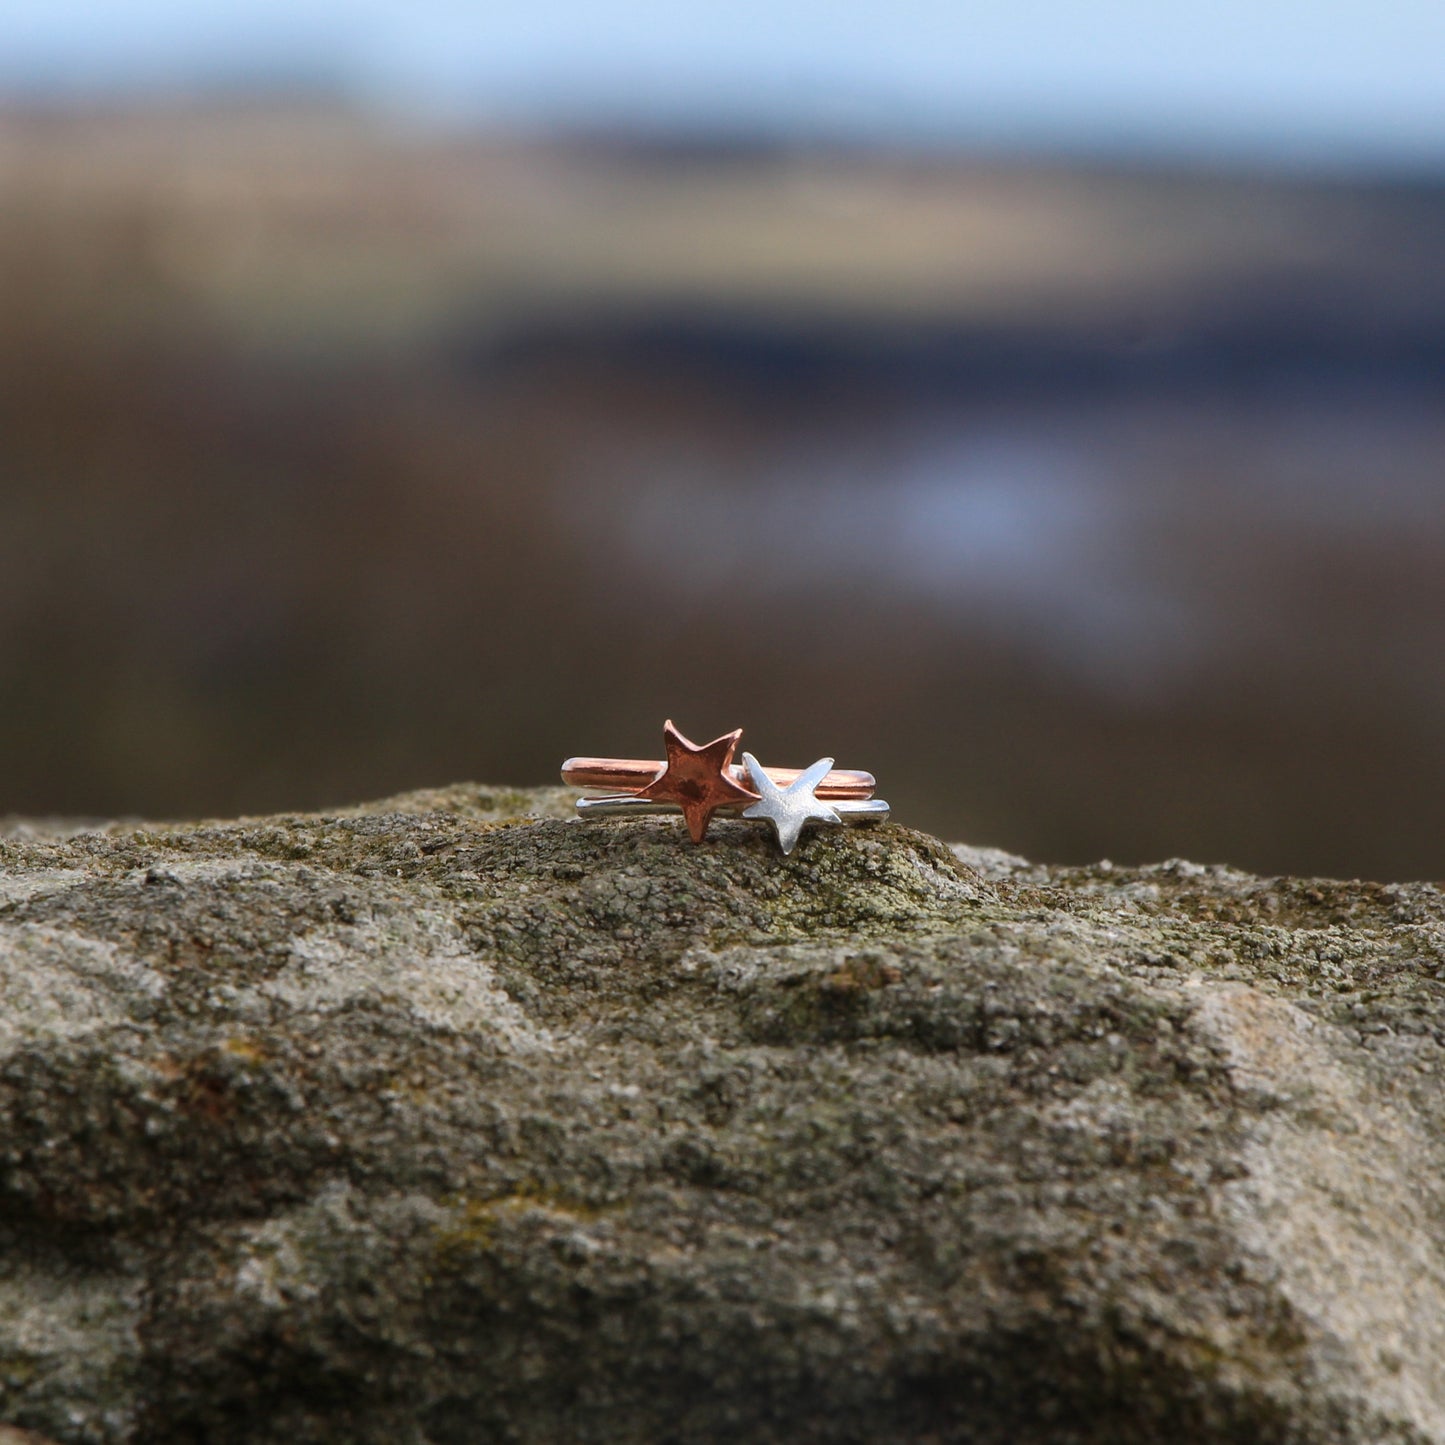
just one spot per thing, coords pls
(1099, 511)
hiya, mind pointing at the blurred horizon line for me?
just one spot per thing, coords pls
(718, 132)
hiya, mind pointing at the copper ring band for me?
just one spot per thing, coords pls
(619, 775)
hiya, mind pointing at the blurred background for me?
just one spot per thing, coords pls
(1041, 405)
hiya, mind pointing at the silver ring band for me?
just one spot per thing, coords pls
(626, 805)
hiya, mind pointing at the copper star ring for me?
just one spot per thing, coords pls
(702, 781)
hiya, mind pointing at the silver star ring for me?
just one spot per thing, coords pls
(787, 809)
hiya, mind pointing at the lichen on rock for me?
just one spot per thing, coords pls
(448, 1119)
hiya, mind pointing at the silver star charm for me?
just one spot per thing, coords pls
(787, 809)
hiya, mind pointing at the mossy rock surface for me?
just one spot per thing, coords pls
(449, 1120)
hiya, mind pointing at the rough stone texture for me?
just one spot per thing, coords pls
(436, 1122)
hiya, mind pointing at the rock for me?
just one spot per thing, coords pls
(447, 1120)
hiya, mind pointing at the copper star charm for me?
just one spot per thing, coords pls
(697, 779)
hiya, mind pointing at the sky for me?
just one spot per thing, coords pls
(1332, 80)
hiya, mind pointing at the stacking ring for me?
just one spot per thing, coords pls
(702, 781)
(629, 774)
